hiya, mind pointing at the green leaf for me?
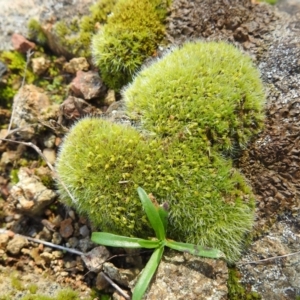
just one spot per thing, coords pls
(152, 214)
(113, 240)
(163, 213)
(147, 274)
(195, 249)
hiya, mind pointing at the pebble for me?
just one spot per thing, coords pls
(84, 231)
(66, 228)
(15, 245)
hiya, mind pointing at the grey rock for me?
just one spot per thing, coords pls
(119, 275)
(278, 278)
(14, 15)
(184, 276)
(30, 104)
(94, 260)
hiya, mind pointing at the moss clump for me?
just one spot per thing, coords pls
(102, 164)
(11, 81)
(35, 32)
(207, 91)
(236, 291)
(75, 35)
(66, 294)
(132, 34)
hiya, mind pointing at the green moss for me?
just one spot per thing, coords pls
(132, 34)
(102, 164)
(66, 294)
(75, 35)
(11, 82)
(14, 176)
(35, 32)
(16, 283)
(272, 2)
(207, 91)
(236, 291)
(32, 288)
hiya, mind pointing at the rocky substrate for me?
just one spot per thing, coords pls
(30, 205)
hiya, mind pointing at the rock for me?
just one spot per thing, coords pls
(50, 155)
(101, 282)
(271, 163)
(184, 276)
(31, 195)
(74, 108)
(9, 157)
(76, 64)
(85, 244)
(88, 85)
(95, 258)
(56, 238)
(30, 103)
(119, 275)
(72, 242)
(66, 228)
(110, 98)
(84, 231)
(15, 245)
(49, 141)
(14, 16)
(274, 279)
(4, 238)
(235, 21)
(21, 44)
(40, 65)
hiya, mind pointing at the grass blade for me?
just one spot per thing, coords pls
(113, 240)
(195, 249)
(152, 214)
(147, 274)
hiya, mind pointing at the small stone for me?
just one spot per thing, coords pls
(88, 85)
(73, 108)
(57, 254)
(50, 155)
(101, 282)
(21, 44)
(84, 231)
(109, 98)
(47, 256)
(72, 242)
(49, 141)
(66, 228)
(4, 238)
(95, 258)
(15, 245)
(76, 64)
(40, 65)
(71, 214)
(85, 244)
(32, 196)
(56, 238)
(121, 276)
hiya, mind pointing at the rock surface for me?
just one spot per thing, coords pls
(184, 276)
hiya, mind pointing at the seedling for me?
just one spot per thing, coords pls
(158, 218)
